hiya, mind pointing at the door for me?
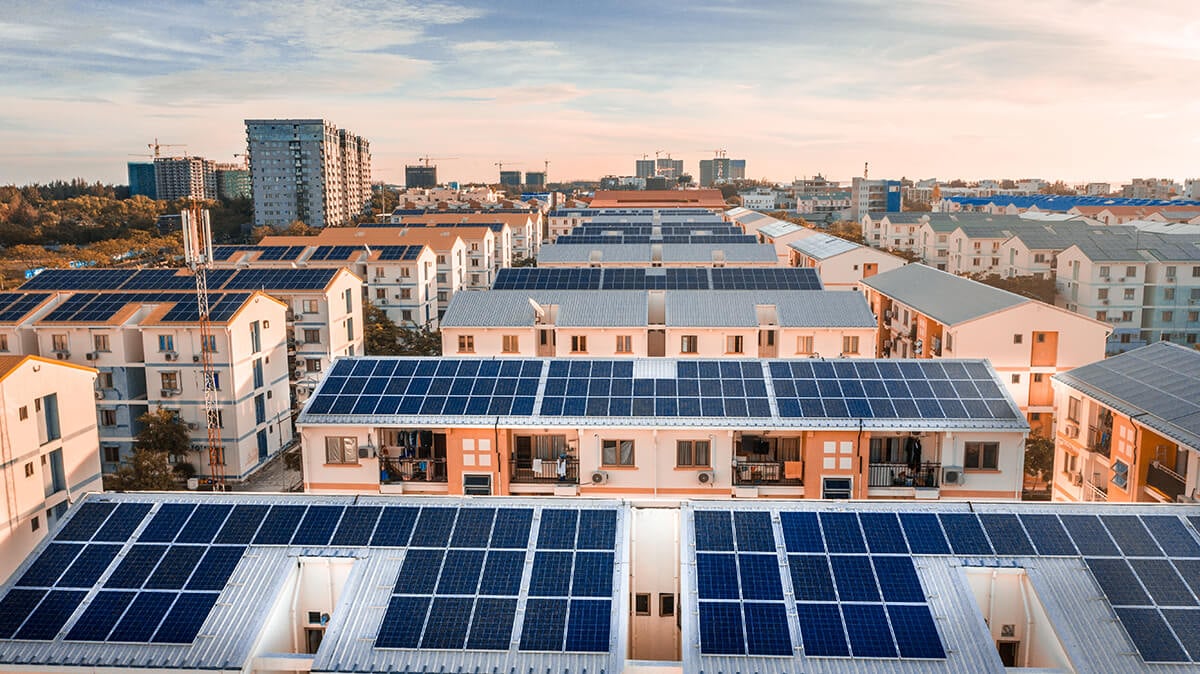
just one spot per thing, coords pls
(767, 347)
(524, 452)
(262, 445)
(656, 343)
(545, 343)
(870, 269)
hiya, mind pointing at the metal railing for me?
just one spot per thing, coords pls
(927, 474)
(544, 471)
(751, 473)
(1164, 480)
(1094, 492)
(393, 470)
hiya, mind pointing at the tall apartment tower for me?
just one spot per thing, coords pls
(141, 179)
(644, 168)
(185, 178)
(309, 170)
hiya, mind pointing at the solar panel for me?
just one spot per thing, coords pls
(1048, 535)
(50, 615)
(1006, 534)
(924, 534)
(242, 524)
(473, 528)
(1151, 635)
(100, 616)
(78, 279)
(545, 624)
(822, 631)
(175, 567)
(557, 529)
(143, 616)
(356, 526)
(1089, 535)
(279, 525)
(213, 571)
(1186, 624)
(85, 522)
(882, 532)
(916, 633)
(395, 526)
(502, 573)
(17, 310)
(868, 631)
(318, 525)
(460, 573)
(182, 623)
(121, 524)
(597, 529)
(204, 523)
(965, 534)
(1162, 582)
(492, 625)
(51, 564)
(15, 607)
(720, 629)
(279, 279)
(714, 530)
(1172, 536)
(759, 575)
(449, 618)
(433, 527)
(399, 252)
(1131, 536)
(89, 565)
(588, 626)
(842, 533)
(402, 623)
(135, 567)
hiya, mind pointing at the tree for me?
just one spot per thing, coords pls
(381, 336)
(524, 261)
(420, 342)
(163, 437)
(163, 431)
(1039, 460)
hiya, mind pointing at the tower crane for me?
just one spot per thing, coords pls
(427, 159)
(157, 147)
(198, 254)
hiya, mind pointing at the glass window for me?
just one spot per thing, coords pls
(309, 306)
(689, 344)
(1073, 409)
(59, 342)
(312, 335)
(850, 344)
(579, 344)
(511, 344)
(466, 344)
(734, 344)
(209, 343)
(804, 344)
(3, 342)
(100, 342)
(624, 344)
(981, 455)
(692, 453)
(170, 380)
(616, 452)
(341, 450)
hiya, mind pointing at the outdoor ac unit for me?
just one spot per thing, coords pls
(196, 358)
(1077, 479)
(706, 477)
(599, 477)
(1104, 301)
(952, 475)
(193, 425)
(91, 355)
(1071, 431)
(99, 394)
(171, 356)
(62, 355)
(169, 392)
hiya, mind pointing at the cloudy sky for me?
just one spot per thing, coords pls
(1070, 89)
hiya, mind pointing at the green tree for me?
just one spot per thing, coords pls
(524, 262)
(1039, 460)
(162, 438)
(381, 336)
(420, 342)
(163, 431)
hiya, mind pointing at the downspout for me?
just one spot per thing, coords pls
(858, 450)
(496, 450)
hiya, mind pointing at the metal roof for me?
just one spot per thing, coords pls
(794, 308)
(1158, 385)
(943, 296)
(781, 228)
(576, 308)
(823, 246)
(733, 252)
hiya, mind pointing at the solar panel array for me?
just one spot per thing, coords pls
(265, 252)
(128, 573)
(856, 593)
(433, 386)
(280, 279)
(887, 389)
(399, 252)
(636, 278)
(14, 306)
(221, 307)
(667, 238)
(334, 252)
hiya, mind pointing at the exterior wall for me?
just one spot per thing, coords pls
(387, 281)
(40, 476)
(973, 254)
(934, 247)
(843, 272)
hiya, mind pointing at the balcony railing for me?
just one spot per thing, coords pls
(1165, 481)
(924, 475)
(1099, 440)
(392, 470)
(754, 473)
(1094, 492)
(545, 471)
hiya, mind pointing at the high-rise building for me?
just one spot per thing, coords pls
(873, 196)
(512, 178)
(309, 170)
(141, 179)
(668, 168)
(716, 171)
(233, 181)
(420, 176)
(185, 178)
(535, 179)
(737, 169)
(645, 168)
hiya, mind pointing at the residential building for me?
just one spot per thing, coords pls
(718, 170)
(668, 169)
(511, 178)
(569, 426)
(141, 179)
(737, 169)
(644, 168)
(51, 452)
(781, 234)
(535, 179)
(233, 182)
(1191, 189)
(707, 199)
(758, 199)
(870, 196)
(308, 170)
(524, 227)
(658, 323)
(824, 208)
(1130, 429)
(339, 583)
(185, 178)
(893, 230)
(420, 176)
(657, 255)
(1150, 188)
(841, 264)
(926, 313)
(1097, 189)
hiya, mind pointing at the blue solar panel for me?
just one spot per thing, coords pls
(545, 625)
(1131, 536)
(965, 534)
(1172, 536)
(136, 566)
(767, 629)
(1117, 581)
(557, 529)
(141, 619)
(176, 567)
(882, 532)
(182, 623)
(214, 569)
(402, 623)
(100, 616)
(447, 625)
(1186, 624)
(854, 578)
(474, 528)
(15, 608)
(1006, 534)
(419, 573)
(721, 628)
(460, 573)
(433, 527)
(50, 564)
(492, 625)
(593, 574)
(1163, 583)
(924, 534)
(1150, 635)
(898, 579)
(18, 309)
(89, 565)
(85, 522)
(1048, 535)
(242, 524)
(916, 633)
(759, 576)
(318, 525)
(867, 628)
(551, 574)
(597, 529)
(842, 533)
(50, 615)
(1089, 535)
(395, 527)
(167, 522)
(502, 572)
(821, 630)
(811, 579)
(279, 525)
(356, 525)
(801, 531)
(717, 576)
(122, 522)
(204, 523)
(754, 532)
(588, 626)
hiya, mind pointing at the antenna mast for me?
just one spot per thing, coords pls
(197, 251)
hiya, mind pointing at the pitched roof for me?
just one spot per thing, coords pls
(576, 308)
(1159, 384)
(703, 198)
(823, 246)
(943, 296)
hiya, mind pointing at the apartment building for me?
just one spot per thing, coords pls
(705, 199)
(50, 453)
(142, 335)
(308, 170)
(841, 264)
(1147, 285)
(564, 221)
(893, 230)
(781, 234)
(873, 196)
(658, 323)
(658, 255)
(745, 428)
(518, 234)
(1130, 429)
(925, 313)
(185, 178)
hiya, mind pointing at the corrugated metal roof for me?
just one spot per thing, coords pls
(732, 252)
(576, 308)
(1158, 385)
(794, 308)
(582, 252)
(781, 228)
(823, 246)
(947, 298)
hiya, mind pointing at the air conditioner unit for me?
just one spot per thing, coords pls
(952, 475)
(99, 394)
(599, 477)
(62, 355)
(169, 392)
(1071, 431)
(1104, 301)
(706, 477)
(170, 356)
(196, 358)
(1077, 479)
(91, 355)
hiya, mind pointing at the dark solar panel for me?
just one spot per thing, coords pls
(1048, 535)
(492, 625)
(182, 623)
(821, 630)
(50, 564)
(100, 616)
(89, 565)
(242, 524)
(85, 522)
(204, 523)
(135, 567)
(214, 569)
(78, 279)
(121, 524)
(1150, 635)
(358, 522)
(143, 616)
(545, 622)
(50, 615)
(318, 525)
(19, 308)
(588, 626)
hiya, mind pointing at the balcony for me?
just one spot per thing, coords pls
(924, 475)
(758, 473)
(1099, 440)
(544, 471)
(394, 470)
(1165, 481)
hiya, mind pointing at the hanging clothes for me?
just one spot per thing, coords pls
(914, 453)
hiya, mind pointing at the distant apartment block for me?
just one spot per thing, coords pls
(233, 182)
(868, 196)
(308, 170)
(510, 178)
(185, 178)
(141, 179)
(52, 451)
(535, 180)
(420, 176)
(719, 170)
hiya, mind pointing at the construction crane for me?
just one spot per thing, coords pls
(198, 255)
(718, 153)
(157, 147)
(428, 159)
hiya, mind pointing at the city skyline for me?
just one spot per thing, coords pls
(1067, 89)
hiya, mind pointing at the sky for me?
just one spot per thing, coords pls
(1057, 89)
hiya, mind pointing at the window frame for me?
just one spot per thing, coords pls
(687, 454)
(981, 449)
(615, 448)
(341, 447)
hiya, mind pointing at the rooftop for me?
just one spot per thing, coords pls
(823, 246)
(943, 296)
(665, 278)
(703, 198)
(701, 253)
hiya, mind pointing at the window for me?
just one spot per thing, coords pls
(23, 413)
(406, 293)
(312, 335)
(666, 604)
(837, 487)
(466, 344)
(255, 337)
(1073, 409)
(850, 344)
(349, 328)
(349, 294)
(3, 342)
(804, 344)
(641, 603)
(100, 342)
(405, 272)
(1130, 272)
(474, 247)
(104, 379)
(1195, 294)
(981, 455)
(1102, 315)
(1168, 293)
(579, 344)
(689, 344)
(379, 272)
(1170, 272)
(260, 409)
(308, 306)
(616, 452)
(29, 469)
(1168, 316)
(1193, 316)
(108, 417)
(1038, 377)
(343, 450)
(1104, 271)
(511, 344)
(733, 344)
(1196, 272)
(381, 293)
(441, 259)
(692, 453)
(170, 380)
(406, 314)
(59, 342)
(312, 364)
(1126, 316)
(1129, 294)
(112, 453)
(1102, 293)
(1016, 378)
(259, 378)
(624, 344)
(1017, 339)
(36, 523)
(208, 343)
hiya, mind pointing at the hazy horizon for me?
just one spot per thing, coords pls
(1075, 90)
